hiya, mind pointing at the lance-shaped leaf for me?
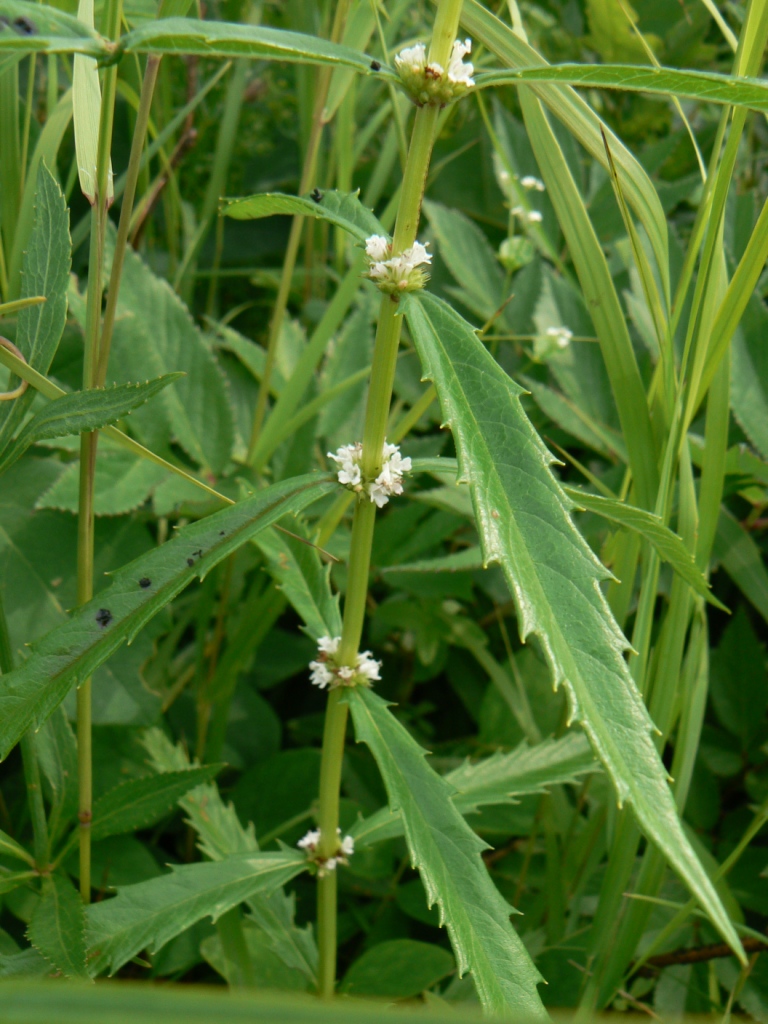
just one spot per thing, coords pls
(706, 86)
(295, 565)
(74, 650)
(10, 848)
(36, 28)
(498, 779)
(57, 928)
(669, 546)
(149, 914)
(224, 39)
(447, 853)
(343, 209)
(524, 520)
(142, 802)
(83, 411)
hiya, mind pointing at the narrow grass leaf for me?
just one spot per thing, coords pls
(82, 411)
(447, 853)
(86, 106)
(669, 546)
(149, 914)
(10, 848)
(735, 550)
(36, 28)
(224, 39)
(525, 524)
(74, 650)
(601, 298)
(343, 209)
(57, 927)
(705, 86)
(139, 803)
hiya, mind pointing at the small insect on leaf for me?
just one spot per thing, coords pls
(103, 617)
(145, 582)
(316, 195)
(24, 27)
(375, 66)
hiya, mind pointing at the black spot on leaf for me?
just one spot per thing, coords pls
(375, 66)
(316, 195)
(145, 582)
(103, 617)
(190, 562)
(24, 27)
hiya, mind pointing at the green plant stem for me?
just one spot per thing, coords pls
(294, 238)
(374, 433)
(126, 210)
(88, 446)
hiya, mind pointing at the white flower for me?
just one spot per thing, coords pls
(414, 58)
(530, 216)
(348, 846)
(349, 456)
(348, 459)
(345, 673)
(377, 247)
(320, 674)
(416, 255)
(561, 335)
(367, 666)
(458, 72)
(328, 645)
(530, 182)
(310, 840)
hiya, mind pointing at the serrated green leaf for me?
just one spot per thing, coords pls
(502, 777)
(149, 914)
(447, 853)
(705, 86)
(460, 561)
(45, 271)
(57, 928)
(53, 31)
(397, 969)
(74, 650)
(742, 559)
(56, 749)
(156, 334)
(221, 835)
(524, 520)
(343, 209)
(142, 802)
(669, 546)
(82, 411)
(223, 39)
(297, 568)
(122, 483)
(575, 420)
(499, 779)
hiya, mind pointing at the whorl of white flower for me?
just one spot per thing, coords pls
(388, 482)
(344, 849)
(529, 216)
(431, 83)
(326, 672)
(458, 72)
(399, 273)
(561, 336)
(530, 182)
(348, 459)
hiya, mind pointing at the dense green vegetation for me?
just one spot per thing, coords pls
(361, 403)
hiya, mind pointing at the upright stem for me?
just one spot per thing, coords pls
(294, 239)
(374, 433)
(88, 445)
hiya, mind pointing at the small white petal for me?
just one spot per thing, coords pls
(310, 840)
(530, 182)
(348, 846)
(534, 217)
(328, 645)
(377, 247)
(413, 57)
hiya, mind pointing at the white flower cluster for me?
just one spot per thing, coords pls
(326, 672)
(389, 481)
(396, 274)
(344, 851)
(560, 335)
(529, 216)
(432, 83)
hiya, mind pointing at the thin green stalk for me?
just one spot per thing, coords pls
(294, 238)
(126, 210)
(376, 419)
(88, 445)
